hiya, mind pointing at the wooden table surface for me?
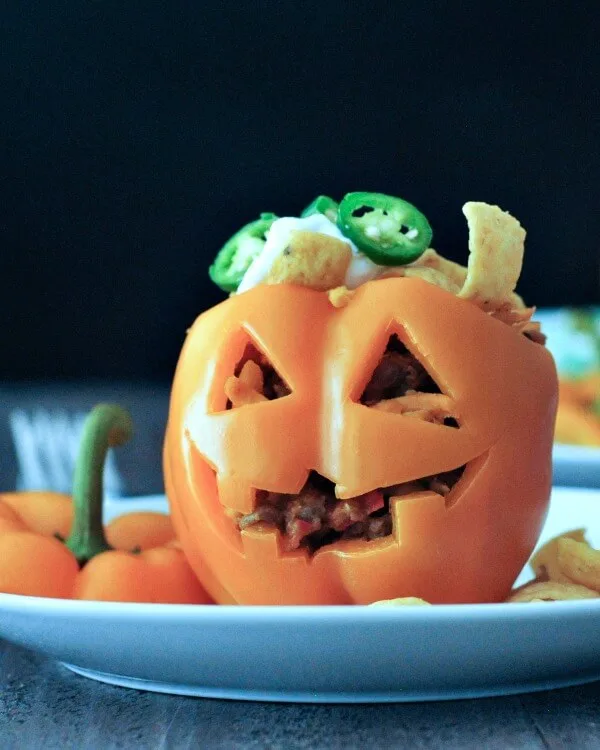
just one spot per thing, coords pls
(44, 706)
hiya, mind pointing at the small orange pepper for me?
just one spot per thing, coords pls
(53, 546)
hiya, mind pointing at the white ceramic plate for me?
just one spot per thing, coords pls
(325, 654)
(576, 465)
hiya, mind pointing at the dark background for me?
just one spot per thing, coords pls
(137, 137)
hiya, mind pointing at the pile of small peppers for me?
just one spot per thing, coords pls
(52, 545)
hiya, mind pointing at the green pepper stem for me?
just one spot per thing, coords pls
(107, 425)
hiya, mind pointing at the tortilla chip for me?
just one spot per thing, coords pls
(579, 562)
(240, 393)
(431, 275)
(517, 317)
(403, 601)
(545, 561)
(431, 407)
(517, 301)
(551, 591)
(340, 296)
(252, 376)
(453, 271)
(496, 246)
(311, 259)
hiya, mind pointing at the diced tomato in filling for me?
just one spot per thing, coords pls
(373, 501)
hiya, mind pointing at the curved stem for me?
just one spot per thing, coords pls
(107, 425)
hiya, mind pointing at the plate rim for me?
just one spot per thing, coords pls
(262, 614)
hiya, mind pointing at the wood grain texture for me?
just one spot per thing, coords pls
(43, 705)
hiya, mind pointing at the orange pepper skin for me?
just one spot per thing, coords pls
(36, 565)
(159, 574)
(45, 513)
(33, 562)
(467, 548)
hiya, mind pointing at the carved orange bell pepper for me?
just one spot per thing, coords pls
(222, 461)
(53, 546)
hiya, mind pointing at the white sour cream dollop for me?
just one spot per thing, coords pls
(360, 270)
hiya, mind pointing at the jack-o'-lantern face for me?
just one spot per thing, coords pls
(492, 394)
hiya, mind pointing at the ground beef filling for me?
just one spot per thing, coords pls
(315, 517)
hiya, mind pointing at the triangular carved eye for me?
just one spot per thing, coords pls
(400, 384)
(254, 380)
(398, 372)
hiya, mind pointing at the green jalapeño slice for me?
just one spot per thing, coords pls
(236, 255)
(388, 230)
(322, 204)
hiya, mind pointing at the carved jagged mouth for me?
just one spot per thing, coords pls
(315, 518)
